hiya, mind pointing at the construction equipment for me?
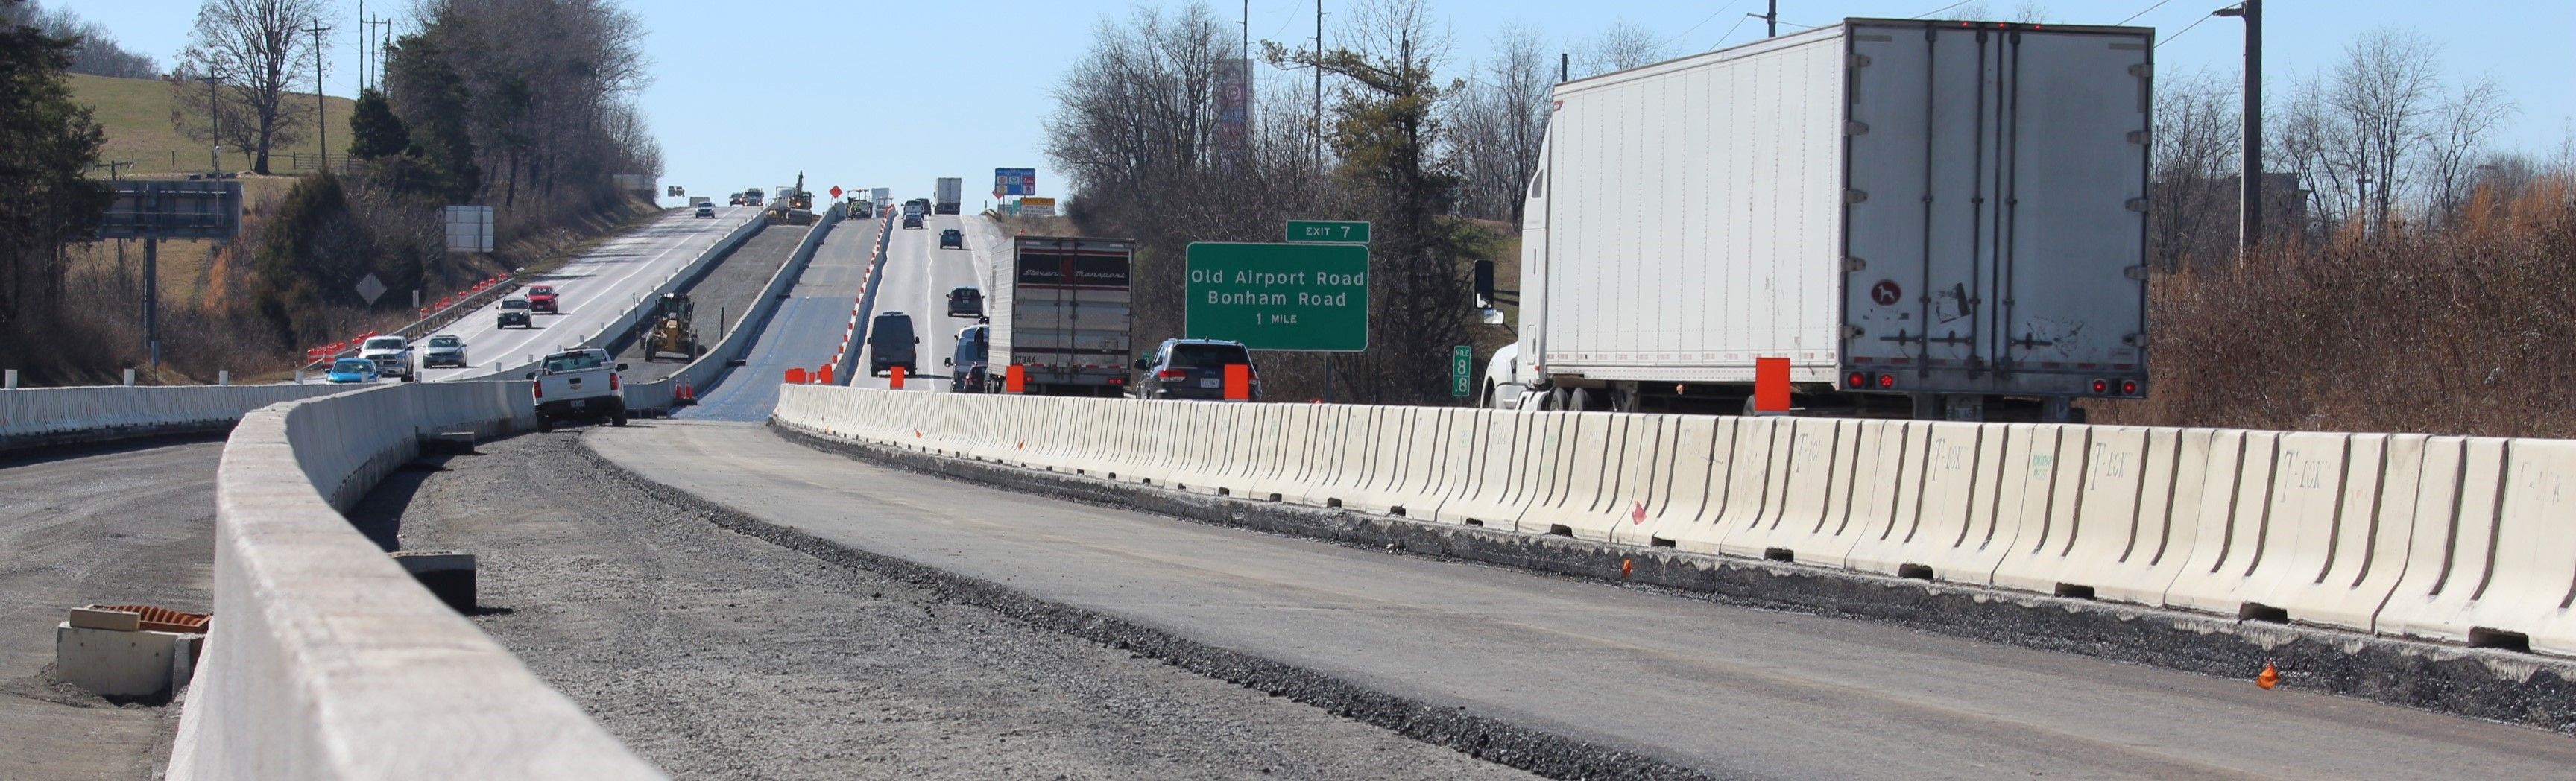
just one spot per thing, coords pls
(794, 207)
(672, 329)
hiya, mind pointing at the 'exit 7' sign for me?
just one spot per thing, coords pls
(1328, 232)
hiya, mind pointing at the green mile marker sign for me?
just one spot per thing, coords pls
(1462, 369)
(1328, 232)
(1312, 297)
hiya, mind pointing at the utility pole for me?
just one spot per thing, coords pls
(215, 118)
(1319, 88)
(1770, 20)
(321, 109)
(2249, 224)
(362, 48)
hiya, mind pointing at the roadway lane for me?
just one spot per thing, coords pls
(120, 524)
(596, 287)
(727, 291)
(805, 331)
(918, 276)
(1731, 690)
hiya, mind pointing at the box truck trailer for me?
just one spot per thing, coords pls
(1936, 219)
(1059, 312)
(950, 195)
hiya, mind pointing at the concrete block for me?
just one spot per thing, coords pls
(115, 663)
(95, 617)
(447, 574)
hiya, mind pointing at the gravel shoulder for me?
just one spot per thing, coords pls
(715, 654)
(126, 523)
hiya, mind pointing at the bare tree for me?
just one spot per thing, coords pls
(213, 112)
(2197, 127)
(1496, 124)
(2458, 141)
(2386, 88)
(257, 45)
(96, 52)
(1623, 45)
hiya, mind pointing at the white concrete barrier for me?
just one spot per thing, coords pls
(34, 417)
(327, 660)
(2460, 540)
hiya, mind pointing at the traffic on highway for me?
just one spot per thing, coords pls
(1917, 394)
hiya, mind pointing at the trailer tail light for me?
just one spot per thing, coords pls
(2101, 387)
(1886, 381)
(1856, 381)
(2128, 387)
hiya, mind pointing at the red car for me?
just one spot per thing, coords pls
(541, 298)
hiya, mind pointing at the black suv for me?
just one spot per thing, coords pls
(1193, 369)
(965, 302)
(952, 238)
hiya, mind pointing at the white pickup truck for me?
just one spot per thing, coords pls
(578, 385)
(392, 355)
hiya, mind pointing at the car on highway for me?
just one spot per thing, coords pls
(912, 221)
(891, 343)
(706, 210)
(392, 355)
(1194, 369)
(952, 238)
(443, 350)
(578, 385)
(352, 370)
(514, 311)
(542, 298)
(966, 365)
(965, 302)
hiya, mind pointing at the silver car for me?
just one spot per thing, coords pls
(444, 350)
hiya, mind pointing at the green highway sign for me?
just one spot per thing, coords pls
(1462, 369)
(1279, 296)
(1328, 231)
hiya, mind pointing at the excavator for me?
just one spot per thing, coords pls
(672, 329)
(795, 209)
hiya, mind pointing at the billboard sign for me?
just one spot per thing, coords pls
(469, 229)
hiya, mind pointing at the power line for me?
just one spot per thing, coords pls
(2150, 9)
(1730, 32)
(1940, 9)
(1695, 27)
(2179, 33)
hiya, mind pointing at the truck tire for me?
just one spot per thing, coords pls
(618, 418)
(544, 424)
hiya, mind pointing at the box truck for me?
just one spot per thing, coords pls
(948, 198)
(1936, 219)
(1059, 311)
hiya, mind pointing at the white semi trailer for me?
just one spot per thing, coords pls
(1936, 219)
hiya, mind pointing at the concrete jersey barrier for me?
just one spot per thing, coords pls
(709, 369)
(36, 417)
(2429, 538)
(326, 659)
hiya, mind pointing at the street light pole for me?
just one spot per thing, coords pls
(2249, 225)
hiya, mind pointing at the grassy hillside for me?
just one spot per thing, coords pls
(136, 115)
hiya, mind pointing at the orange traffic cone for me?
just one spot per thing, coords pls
(2271, 676)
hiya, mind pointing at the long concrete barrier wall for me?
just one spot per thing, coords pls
(326, 659)
(36, 417)
(2452, 539)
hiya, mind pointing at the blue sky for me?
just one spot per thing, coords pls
(895, 94)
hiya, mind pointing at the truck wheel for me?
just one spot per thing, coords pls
(544, 425)
(618, 419)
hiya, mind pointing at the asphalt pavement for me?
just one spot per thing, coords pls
(131, 523)
(596, 287)
(918, 275)
(805, 332)
(1729, 690)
